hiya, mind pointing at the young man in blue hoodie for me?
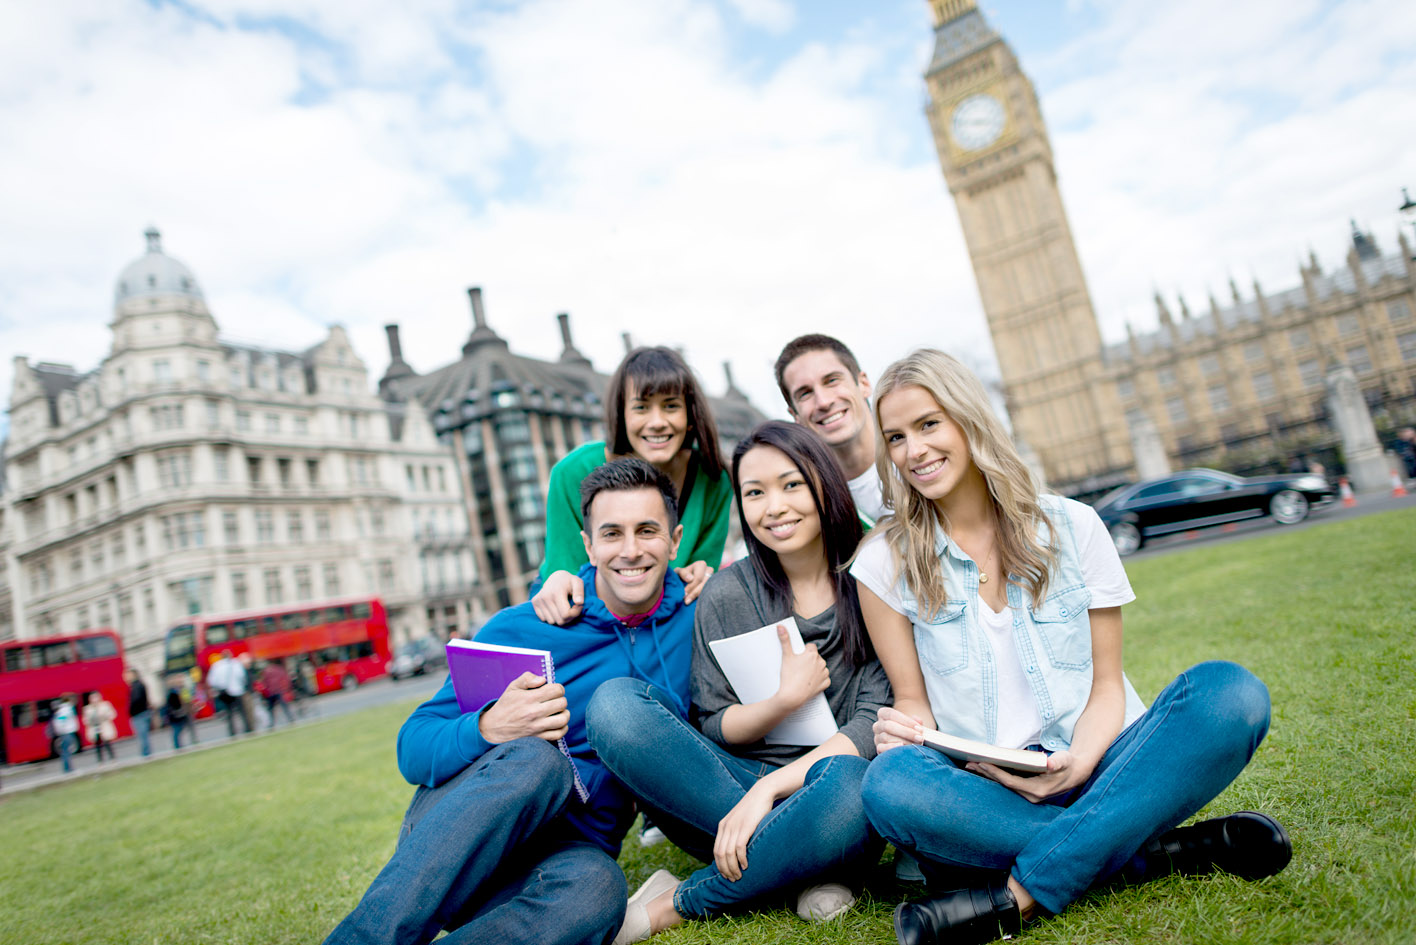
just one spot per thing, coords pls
(496, 845)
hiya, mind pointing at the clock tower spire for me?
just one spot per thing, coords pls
(997, 161)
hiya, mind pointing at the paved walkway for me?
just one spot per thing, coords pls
(212, 734)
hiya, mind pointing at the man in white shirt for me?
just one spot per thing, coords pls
(828, 393)
(227, 681)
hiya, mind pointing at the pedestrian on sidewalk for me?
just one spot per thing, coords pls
(1406, 450)
(99, 716)
(178, 710)
(228, 683)
(275, 686)
(64, 724)
(138, 710)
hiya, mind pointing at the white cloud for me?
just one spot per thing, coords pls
(1201, 141)
(776, 16)
(627, 161)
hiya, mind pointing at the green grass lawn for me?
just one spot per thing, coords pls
(274, 839)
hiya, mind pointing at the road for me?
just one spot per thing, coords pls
(212, 733)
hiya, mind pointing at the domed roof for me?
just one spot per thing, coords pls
(155, 273)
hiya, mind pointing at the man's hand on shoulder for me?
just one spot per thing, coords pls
(529, 708)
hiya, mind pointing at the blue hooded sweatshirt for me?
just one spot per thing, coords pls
(438, 741)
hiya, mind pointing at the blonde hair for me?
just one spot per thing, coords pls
(1026, 557)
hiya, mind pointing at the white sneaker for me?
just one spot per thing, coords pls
(651, 836)
(823, 903)
(636, 926)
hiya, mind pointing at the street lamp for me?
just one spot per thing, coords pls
(1408, 210)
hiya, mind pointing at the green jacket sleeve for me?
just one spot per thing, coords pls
(565, 551)
(712, 526)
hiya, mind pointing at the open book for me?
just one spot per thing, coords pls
(965, 749)
(752, 662)
(481, 672)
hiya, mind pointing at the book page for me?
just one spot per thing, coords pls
(752, 662)
(965, 749)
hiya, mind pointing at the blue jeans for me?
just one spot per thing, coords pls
(278, 700)
(1192, 742)
(818, 833)
(142, 725)
(67, 744)
(488, 856)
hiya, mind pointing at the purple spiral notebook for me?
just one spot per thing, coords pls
(481, 672)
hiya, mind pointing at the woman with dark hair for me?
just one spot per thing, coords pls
(769, 817)
(654, 409)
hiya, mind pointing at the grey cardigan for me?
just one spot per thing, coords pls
(735, 601)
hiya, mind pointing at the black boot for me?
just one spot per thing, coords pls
(961, 917)
(1248, 844)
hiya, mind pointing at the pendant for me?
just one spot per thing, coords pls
(982, 578)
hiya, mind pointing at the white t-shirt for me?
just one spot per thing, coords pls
(865, 489)
(229, 676)
(1019, 723)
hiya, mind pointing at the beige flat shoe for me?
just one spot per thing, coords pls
(636, 926)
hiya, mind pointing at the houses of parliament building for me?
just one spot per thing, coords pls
(1239, 382)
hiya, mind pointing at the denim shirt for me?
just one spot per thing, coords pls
(1053, 643)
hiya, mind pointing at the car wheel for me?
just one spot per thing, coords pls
(1288, 507)
(349, 681)
(1126, 537)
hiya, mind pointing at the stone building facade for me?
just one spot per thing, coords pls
(1238, 384)
(1244, 380)
(507, 419)
(187, 473)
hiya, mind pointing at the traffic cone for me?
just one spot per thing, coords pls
(1398, 488)
(1344, 489)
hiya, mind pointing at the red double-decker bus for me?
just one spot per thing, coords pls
(333, 644)
(35, 673)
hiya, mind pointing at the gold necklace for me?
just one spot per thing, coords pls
(983, 575)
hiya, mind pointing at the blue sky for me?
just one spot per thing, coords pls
(716, 174)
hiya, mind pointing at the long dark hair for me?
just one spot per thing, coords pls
(841, 530)
(661, 371)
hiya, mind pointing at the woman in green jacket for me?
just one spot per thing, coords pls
(654, 409)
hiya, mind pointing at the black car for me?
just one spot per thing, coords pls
(1201, 498)
(417, 657)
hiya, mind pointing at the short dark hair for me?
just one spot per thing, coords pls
(804, 345)
(623, 475)
(841, 528)
(660, 370)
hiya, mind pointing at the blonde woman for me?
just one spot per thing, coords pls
(996, 612)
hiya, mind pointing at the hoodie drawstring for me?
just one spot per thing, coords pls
(666, 682)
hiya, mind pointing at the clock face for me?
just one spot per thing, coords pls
(978, 121)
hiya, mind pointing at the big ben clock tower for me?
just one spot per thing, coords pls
(998, 165)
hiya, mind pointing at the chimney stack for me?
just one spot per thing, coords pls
(395, 348)
(569, 353)
(397, 367)
(479, 317)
